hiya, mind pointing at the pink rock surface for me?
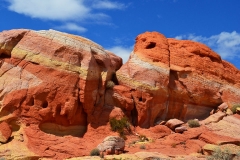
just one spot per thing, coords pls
(5, 132)
(52, 84)
(53, 93)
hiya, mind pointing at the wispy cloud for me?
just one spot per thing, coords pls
(60, 10)
(227, 44)
(65, 11)
(121, 51)
(72, 27)
(106, 4)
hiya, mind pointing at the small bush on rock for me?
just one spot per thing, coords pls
(120, 125)
(219, 154)
(142, 147)
(143, 138)
(95, 152)
(234, 108)
(238, 155)
(110, 84)
(193, 123)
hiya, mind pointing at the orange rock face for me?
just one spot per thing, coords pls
(54, 83)
(55, 97)
(169, 78)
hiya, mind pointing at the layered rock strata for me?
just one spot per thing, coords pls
(168, 78)
(57, 92)
(52, 82)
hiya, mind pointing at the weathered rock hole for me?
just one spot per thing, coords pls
(144, 39)
(114, 79)
(31, 102)
(14, 125)
(5, 55)
(60, 130)
(93, 52)
(67, 100)
(35, 63)
(100, 63)
(151, 45)
(155, 60)
(58, 109)
(45, 104)
(58, 51)
(134, 115)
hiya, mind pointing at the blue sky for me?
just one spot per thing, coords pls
(115, 24)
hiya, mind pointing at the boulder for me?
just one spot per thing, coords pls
(112, 144)
(173, 123)
(214, 118)
(5, 132)
(180, 129)
(223, 107)
(116, 113)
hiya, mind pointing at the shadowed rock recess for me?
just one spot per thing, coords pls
(54, 88)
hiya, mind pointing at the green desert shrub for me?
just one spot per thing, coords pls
(219, 154)
(120, 125)
(142, 147)
(95, 152)
(110, 84)
(234, 108)
(238, 155)
(143, 138)
(193, 123)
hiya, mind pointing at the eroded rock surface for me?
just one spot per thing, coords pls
(168, 78)
(54, 97)
(52, 84)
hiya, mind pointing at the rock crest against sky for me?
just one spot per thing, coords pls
(114, 24)
(59, 89)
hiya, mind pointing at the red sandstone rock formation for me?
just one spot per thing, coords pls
(169, 78)
(53, 93)
(52, 82)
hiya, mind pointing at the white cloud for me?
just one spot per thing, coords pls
(227, 44)
(105, 4)
(72, 27)
(65, 10)
(123, 52)
(50, 9)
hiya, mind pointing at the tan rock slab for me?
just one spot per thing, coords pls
(173, 123)
(214, 118)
